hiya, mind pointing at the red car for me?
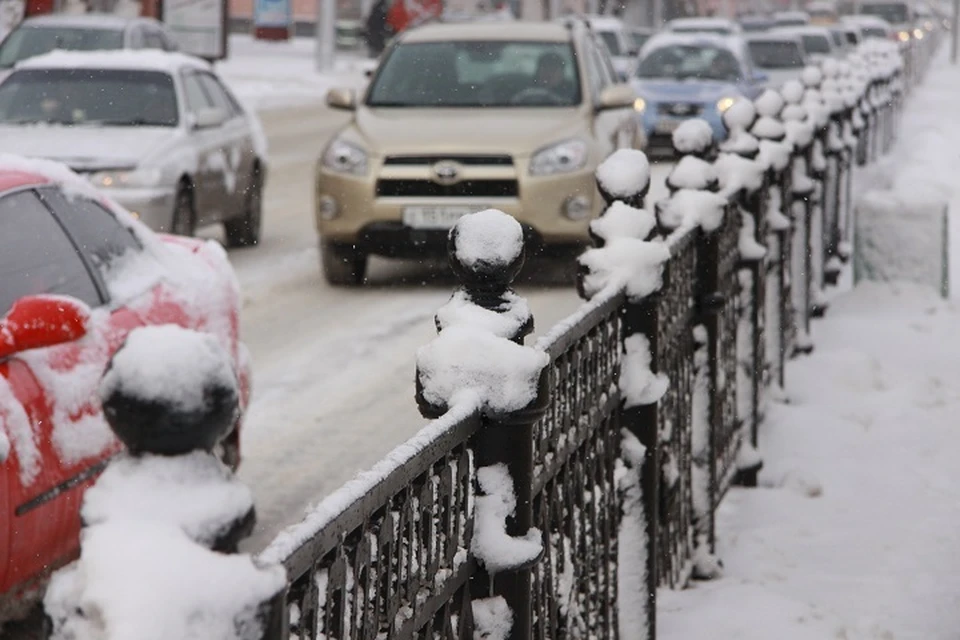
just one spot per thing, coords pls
(77, 274)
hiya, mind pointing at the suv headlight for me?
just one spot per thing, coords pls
(562, 157)
(344, 157)
(725, 103)
(133, 178)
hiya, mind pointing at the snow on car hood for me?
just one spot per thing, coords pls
(687, 90)
(84, 148)
(488, 130)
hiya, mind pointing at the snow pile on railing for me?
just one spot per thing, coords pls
(158, 521)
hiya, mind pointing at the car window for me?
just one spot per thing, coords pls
(477, 73)
(107, 97)
(96, 231)
(26, 41)
(685, 62)
(817, 44)
(613, 43)
(607, 71)
(135, 40)
(36, 256)
(152, 39)
(197, 97)
(218, 94)
(774, 54)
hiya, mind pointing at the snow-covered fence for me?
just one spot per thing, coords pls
(162, 523)
(559, 485)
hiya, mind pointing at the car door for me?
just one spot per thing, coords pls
(237, 145)
(209, 145)
(52, 388)
(615, 128)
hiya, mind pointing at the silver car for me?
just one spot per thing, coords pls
(159, 132)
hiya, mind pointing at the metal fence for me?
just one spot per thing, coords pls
(393, 558)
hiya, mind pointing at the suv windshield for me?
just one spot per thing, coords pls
(776, 55)
(27, 42)
(894, 13)
(683, 62)
(89, 96)
(477, 74)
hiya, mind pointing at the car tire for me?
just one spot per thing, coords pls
(184, 213)
(244, 230)
(343, 264)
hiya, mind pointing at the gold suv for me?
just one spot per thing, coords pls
(463, 117)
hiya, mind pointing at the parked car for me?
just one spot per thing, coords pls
(870, 27)
(79, 273)
(718, 26)
(899, 14)
(753, 22)
(791, 19)
(41, 34)
(691, 76)
(818, 42)
(160, 132)
(463, 117)
(613, 32)
(781, 57)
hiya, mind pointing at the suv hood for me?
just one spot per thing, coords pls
(518, 132)
(684, 91)
(86, 148)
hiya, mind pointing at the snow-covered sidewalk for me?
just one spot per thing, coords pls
(269, 75)
(854, 532)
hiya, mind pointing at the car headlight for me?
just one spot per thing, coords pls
(725, 103)
(344, 157)
(904, 36)
(918, 34)
(639, 105)
(562, 157)
(131, 178)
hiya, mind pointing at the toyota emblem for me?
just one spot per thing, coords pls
(446, 172)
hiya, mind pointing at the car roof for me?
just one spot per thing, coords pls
(123, 59)
(605, 23)
(87, 20)
(861, 20)
(703, 23)
(17, 179)
(669, 38)
(519, 31)
(772, 36)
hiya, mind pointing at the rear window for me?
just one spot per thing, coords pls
(894, 13)
(477, 74)
(776, 55)
(27, 42)
(816, 44)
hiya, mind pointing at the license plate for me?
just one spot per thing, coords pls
(668, 126)
(436, 217)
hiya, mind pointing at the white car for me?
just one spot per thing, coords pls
(718, 26)
(870, 27)
(158, 132)
(780, 56)
(818, 42)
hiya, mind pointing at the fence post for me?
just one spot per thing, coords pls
(505, 438)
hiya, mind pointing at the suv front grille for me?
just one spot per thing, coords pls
(679, 109)
(468, 161)
(430, 189)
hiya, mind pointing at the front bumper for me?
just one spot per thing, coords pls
(152, 206)
(375, 223)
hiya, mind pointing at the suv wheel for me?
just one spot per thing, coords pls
(244, 230)
(343, 264)
(184, 216)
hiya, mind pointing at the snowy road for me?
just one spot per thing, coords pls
(333, 386)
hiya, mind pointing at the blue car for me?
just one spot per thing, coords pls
(691, 76)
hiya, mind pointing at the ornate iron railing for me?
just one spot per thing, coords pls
(391, 556)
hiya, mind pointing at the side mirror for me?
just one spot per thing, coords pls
(619, 96)
(209, 118)
(344, 99)
(40, 321)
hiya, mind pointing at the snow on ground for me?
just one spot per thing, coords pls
(924, 162)
(853, 532)
(270, 75)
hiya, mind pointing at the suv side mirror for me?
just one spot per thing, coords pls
(209, 118)
(40, 321)
(618, 96)
(343, 99)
